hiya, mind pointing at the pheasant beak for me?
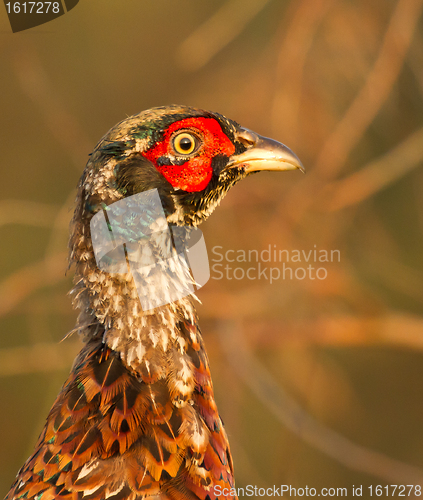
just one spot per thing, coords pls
(263, 154)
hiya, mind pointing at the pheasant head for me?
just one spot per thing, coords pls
(192, 158)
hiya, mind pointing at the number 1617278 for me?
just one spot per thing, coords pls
(400, 490)
(33, 7)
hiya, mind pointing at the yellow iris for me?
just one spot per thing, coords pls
(184, 143)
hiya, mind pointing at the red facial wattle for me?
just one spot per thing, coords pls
(195, 173)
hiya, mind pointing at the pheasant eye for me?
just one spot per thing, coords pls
(185, 143)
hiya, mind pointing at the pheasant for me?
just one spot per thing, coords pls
(137, 419)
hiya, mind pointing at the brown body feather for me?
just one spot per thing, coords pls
(112, 435)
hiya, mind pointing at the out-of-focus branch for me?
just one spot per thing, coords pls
(298, 421)
(27, 279)
(38, 358)
(36, 84)
(400, 329)
(376, 175)
(376, 89)
(26, 212)
(58, 237)
(394, 330)
(415, 60)
(217, 32)
(297, 41)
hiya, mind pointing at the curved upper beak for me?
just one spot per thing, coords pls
(263, 154)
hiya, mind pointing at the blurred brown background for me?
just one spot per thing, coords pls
(319, 382)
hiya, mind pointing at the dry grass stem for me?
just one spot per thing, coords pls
(28, 279)
(30, 213)
(298, 421)
(375, 91)
(38, 358)
(217, 32)
(377, 175)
